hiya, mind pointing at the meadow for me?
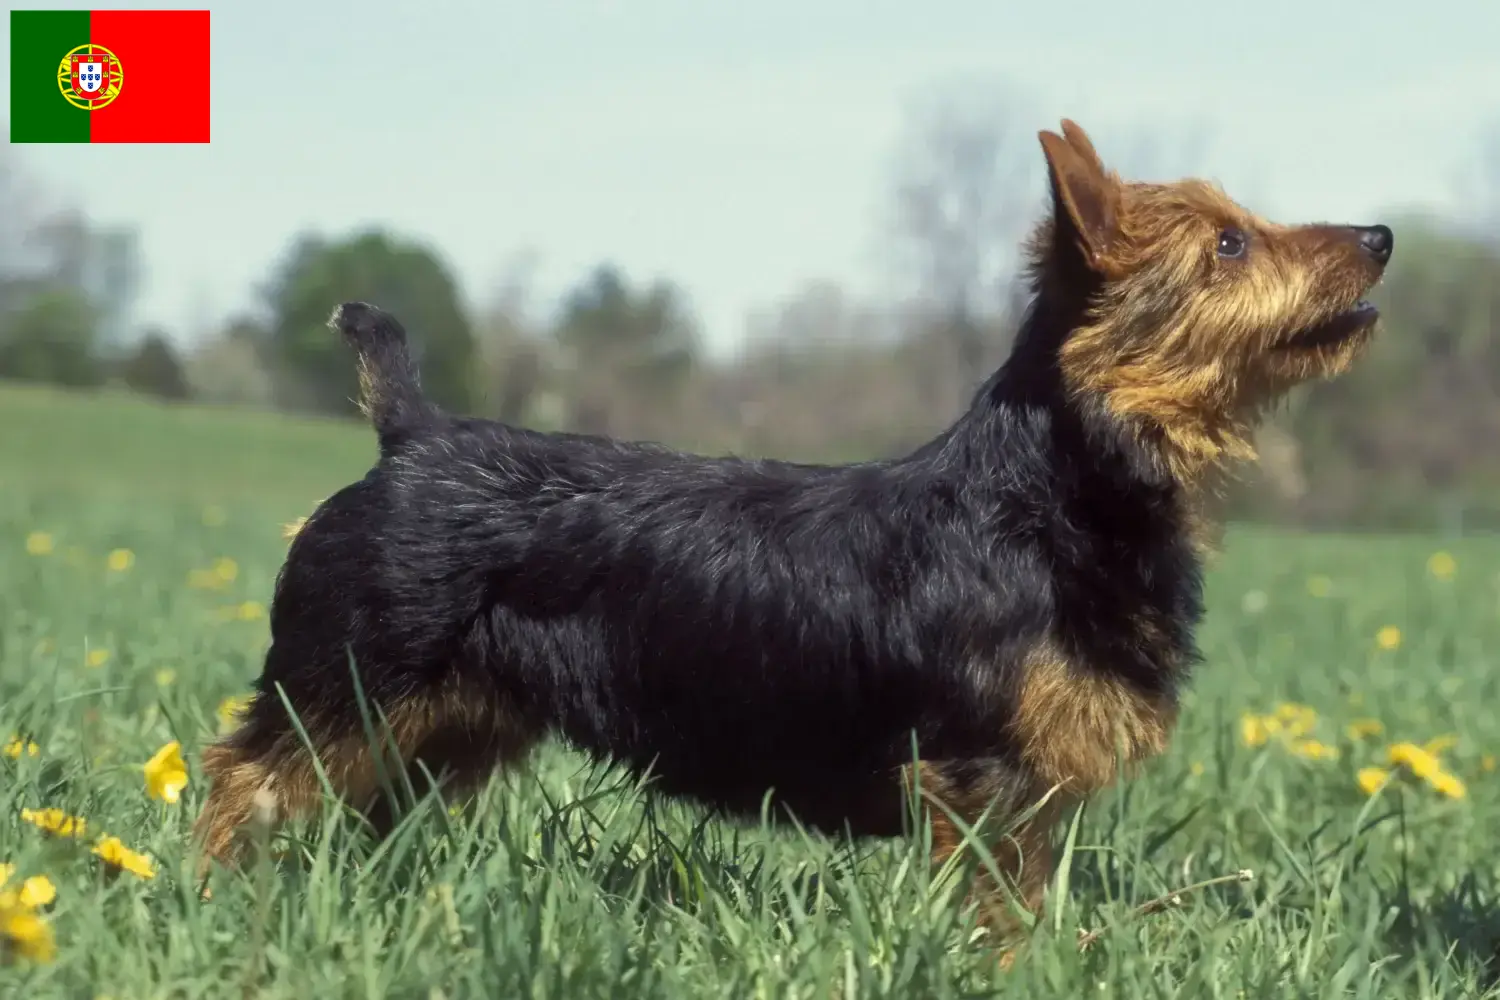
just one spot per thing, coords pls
(1337, 743)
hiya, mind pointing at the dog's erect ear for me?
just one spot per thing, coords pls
(1079, 140)
(1084, 196)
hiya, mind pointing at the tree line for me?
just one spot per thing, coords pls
(1405, 440)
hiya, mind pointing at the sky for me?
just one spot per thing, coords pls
(743, 150)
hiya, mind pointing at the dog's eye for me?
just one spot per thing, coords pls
(1232, 243)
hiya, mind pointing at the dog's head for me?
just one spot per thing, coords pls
(1195, 312)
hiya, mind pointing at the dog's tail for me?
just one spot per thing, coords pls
(390, 393)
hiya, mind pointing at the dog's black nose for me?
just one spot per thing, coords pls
(1377, 241)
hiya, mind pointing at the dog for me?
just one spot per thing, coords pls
(994, 625)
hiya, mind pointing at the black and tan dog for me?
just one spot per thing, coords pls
(1016, 598)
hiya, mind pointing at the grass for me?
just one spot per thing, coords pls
(567, 882)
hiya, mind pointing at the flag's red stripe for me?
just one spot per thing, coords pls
(164, 60)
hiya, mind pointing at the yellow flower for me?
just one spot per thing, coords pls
(1314, 750)
(1441, 744)
(250, 611)
(1360, 728)
(166, 774)
(120, 560)
(1253, 730)
(1442, 565)
(1298, 720)
(204, 579)
(1447, 784)
(1417, 760)
(226, 569)
(1389, 637)
(230, 709)
(121, 858)
(39, 543)
(165, 677)
(35, 892)
(214, 516)
(1487, 763)
(1319, 586)
(1197, 769)
(291, 529)
(55, 821)
(22, 932)
(16, 747)
(1371, 778)
(96, 658)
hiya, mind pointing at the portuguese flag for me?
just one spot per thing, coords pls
(109, 76)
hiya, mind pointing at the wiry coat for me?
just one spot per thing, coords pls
(1006, 612)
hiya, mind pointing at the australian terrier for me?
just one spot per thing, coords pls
(1015, 599)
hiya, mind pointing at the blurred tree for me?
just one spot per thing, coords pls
(967, 173)
(515, 362)
(402, 277)
(154, 369)
(99, 262)
(230, 367)
(623, 348)
(51, 336)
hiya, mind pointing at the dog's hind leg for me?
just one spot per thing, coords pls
(457, 734)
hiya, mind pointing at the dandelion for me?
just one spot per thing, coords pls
(1389, 637)
(1319, 586)
(1315, 750)
(1441, 744)
(1416, 759)
(35, 893)
(1487, 763)
(121, 560)
(221, 574)
(166, 774)
(1371, 778)
(1197, 769)
(55, 822)
(1448, 785)
(96, 658)
(117, 857)
(214, 516)
(1442, 565)
(1360, 728)
(230, 709)
(1253, 730)
(16, 747)
(22, 932)
(1297, 720)
(292, 529)
(39, 543)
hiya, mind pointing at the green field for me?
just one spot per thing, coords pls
(561, 883)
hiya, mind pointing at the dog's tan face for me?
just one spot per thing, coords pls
(1202, 311)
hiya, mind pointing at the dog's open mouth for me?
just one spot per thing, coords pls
(1334, 331)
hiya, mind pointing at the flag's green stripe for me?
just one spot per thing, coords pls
(38, 41)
